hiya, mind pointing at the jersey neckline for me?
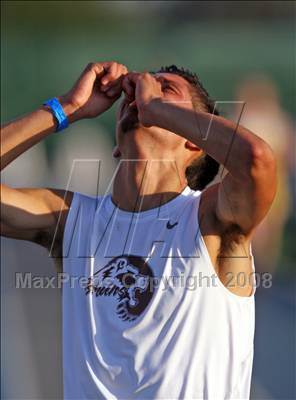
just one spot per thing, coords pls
(158, 212)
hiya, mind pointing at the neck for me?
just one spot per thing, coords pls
(143, 184)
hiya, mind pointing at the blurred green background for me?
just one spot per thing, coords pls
(46, 44)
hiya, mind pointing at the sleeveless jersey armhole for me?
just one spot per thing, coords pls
(201, 247)
(70, 222)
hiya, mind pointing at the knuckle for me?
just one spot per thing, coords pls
(91, 65)
(112, 64)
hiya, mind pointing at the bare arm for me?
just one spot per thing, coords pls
(29, 214)
(32, 214)
(247, 191)
(229, 211)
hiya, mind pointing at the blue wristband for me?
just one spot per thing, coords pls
(58, 113)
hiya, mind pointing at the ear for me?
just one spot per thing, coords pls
(191, 146)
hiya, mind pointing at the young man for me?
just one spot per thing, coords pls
(137, 328)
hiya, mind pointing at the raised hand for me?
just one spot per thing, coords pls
(155, 94)
(98, 87)
(148, 93)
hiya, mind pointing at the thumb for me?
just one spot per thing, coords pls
(89, 76)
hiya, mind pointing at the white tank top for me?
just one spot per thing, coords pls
(144, 313)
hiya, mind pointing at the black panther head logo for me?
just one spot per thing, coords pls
(129, 279)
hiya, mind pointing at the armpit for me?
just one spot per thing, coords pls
(233, 243)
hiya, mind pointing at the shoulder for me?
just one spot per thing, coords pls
(79, 198)
(82, 205)
(80, 223)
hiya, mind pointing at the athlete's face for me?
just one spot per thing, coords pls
(175, 89)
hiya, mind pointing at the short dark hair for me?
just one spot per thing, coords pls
(203, 169)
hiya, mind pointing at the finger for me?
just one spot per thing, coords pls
(114, 71)
(114, 76)
(132, 77)
(114, 87)
(129, 84)
(121, 69)
(97, 68)
(148, 77)
(128, 88)
(115, 90)
(90, 73)
(109, 77)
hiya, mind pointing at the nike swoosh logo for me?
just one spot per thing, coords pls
(171, 226)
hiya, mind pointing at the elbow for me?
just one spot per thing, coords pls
(263, 162)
